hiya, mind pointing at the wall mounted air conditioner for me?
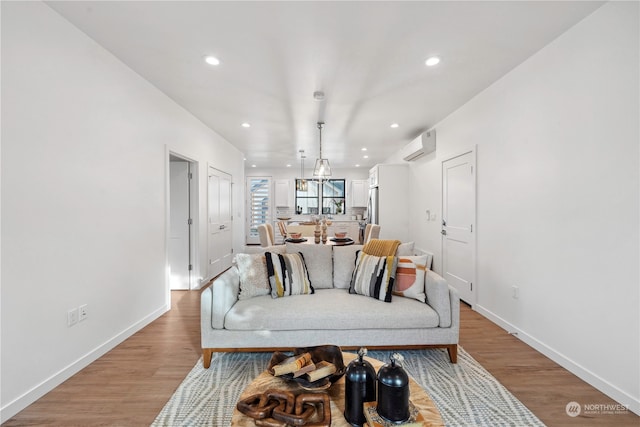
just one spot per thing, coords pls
(423, 144)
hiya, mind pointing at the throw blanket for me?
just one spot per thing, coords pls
(377, 247)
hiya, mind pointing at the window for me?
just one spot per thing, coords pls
(331, 198)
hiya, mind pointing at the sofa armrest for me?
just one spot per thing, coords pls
(438, 297)
(217, 299)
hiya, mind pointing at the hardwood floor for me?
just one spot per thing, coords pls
(129, 385)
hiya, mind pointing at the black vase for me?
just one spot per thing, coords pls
(393, 391)
(359, 387)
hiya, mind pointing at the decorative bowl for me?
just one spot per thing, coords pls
(295, 235)
(329, 353)
(340, 235)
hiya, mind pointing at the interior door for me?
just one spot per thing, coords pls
(220, 245)
(180, 222)
(458, 224)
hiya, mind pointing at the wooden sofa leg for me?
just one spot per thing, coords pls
(453, 352)
(206, 357)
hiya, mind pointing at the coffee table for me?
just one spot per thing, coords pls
(265, 381)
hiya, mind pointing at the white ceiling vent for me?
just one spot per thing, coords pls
(423, 144)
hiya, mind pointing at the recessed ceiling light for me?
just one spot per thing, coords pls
(211, 60)
(288, 165)
(394, 125)
(364, 149)
(357, 166)
(365, 157)
(253, 166)
(245, 125)
(434, 60)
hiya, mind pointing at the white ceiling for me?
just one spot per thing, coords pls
(368, 58)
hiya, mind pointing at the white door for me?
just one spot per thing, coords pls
(258, 206)
(220, 245)
(458, 224)
(180, 222)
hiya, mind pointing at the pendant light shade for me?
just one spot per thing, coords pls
(322, 169)
(301, 184)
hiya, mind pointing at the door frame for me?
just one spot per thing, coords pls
(193, 229)
(474, 240)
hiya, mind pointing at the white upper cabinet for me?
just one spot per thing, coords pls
(281, 193)
(359, 193)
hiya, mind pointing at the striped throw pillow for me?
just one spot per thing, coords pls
(287, 275)
(374, 276)
(410, 276)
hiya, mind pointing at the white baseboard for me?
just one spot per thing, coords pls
(594, 380)
(18, 404)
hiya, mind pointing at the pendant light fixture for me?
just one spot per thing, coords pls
(301, 184)
(322, 169)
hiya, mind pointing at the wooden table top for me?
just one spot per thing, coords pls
(265, 381)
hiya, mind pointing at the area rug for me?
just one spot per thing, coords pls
(465, 393)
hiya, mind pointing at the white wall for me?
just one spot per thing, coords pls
(85, 144)
(558, 195)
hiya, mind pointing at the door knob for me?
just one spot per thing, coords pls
(222, 227)
(443, 232)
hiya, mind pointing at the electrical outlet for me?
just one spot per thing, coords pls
(515, 292)
(72, 317)
(83, 312)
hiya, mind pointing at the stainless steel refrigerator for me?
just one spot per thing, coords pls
(372, 208)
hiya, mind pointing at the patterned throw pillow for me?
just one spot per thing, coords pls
(374, 276)
(252, 269)
(410, 276)
(287, 275)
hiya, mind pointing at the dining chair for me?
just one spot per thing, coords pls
(265, 231)
(283, 229)
(371, 231)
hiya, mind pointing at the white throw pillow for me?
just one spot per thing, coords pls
(344, 262)
(318, 261)
(254, 281)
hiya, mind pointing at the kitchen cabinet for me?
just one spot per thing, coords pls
(359, 193)
(281, 193)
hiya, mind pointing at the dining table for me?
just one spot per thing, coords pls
(330, 241)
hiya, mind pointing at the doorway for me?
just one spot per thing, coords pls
(458, 224)
(181, 227)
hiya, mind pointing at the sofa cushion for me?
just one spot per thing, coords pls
(374, 276)
(344, 262)
(410, 276)
(347, 311)
(287, 275)
(318, 261)
(254, 281)
(405, 249)
(278, 249)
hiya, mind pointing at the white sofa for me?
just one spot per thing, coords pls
(331, 315)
